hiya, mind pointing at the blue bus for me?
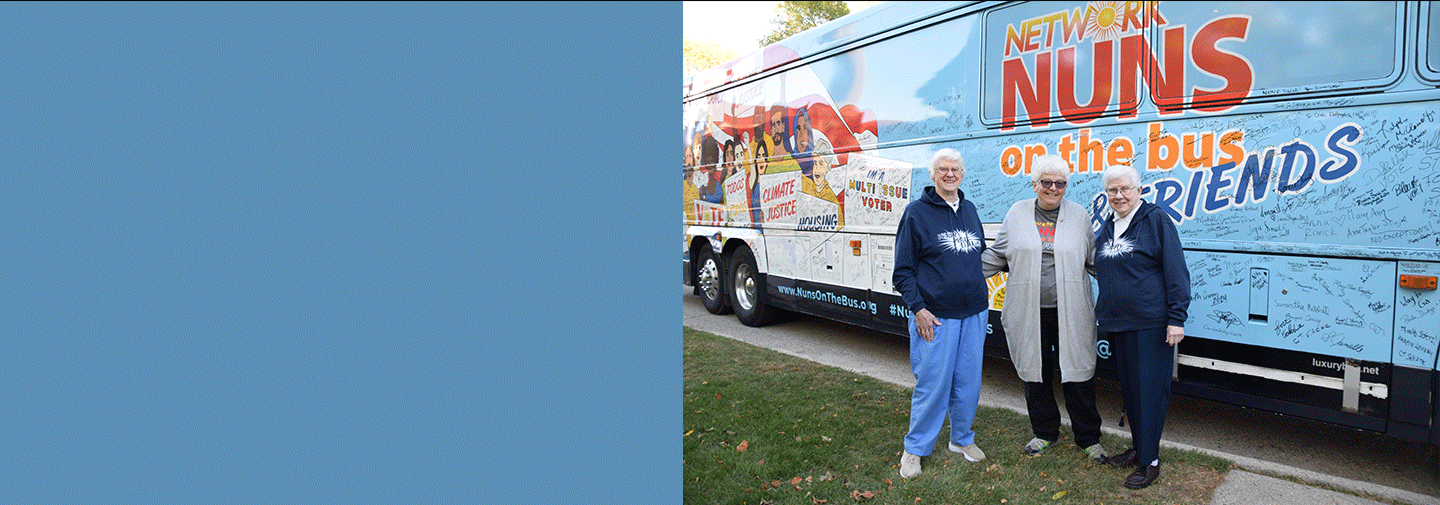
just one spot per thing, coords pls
(1296, 146)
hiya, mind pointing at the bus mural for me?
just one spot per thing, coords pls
(1306, 193)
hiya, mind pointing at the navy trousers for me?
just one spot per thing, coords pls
(1145, 363)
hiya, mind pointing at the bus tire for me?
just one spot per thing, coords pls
(748, 292)
(710, 279)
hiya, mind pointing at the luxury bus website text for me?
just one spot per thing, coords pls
(1223, 173)
(828, 297)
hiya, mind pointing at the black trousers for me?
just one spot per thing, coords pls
(1079, 396)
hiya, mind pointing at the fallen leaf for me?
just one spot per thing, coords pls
(1002, 500)
(1059, 495)
(825, 438)
(887, 481)
(798, 488)
(827, 476)
(795, 480)
(809, 479)
(744, 444)
(717, 396)
(689, 432)
(817, 500)
(761, 462)
(775, 483)
(728, 432)
(861, 496)
(1042, 488)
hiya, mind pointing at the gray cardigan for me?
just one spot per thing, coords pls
(1017, 250)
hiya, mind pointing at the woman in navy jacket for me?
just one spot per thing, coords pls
(1142, 308)
(938, 273)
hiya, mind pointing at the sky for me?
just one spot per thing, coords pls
(736, 25)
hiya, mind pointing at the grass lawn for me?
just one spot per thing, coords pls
(763, 427)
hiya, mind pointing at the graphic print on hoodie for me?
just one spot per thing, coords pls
(1142, 275)
(937, 257)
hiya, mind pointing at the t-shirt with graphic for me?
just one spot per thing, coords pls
(1045, 225)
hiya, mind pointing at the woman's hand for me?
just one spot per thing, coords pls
(925, 324)
(1173, 334)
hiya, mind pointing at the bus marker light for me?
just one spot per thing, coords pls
(855, 246)
(1417, 281)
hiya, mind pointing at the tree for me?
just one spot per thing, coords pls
(795, 17)
(703, 54)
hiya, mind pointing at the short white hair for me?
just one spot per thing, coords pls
(947, 154)
(1116, 172)
(1050, 164)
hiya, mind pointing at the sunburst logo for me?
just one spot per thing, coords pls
(1119, 247)
(1102, 20)
(996, 285)
(959, 241)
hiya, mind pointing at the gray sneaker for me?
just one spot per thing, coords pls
(1096, 452)
(1037, 446)
(909, 465)
(972, 452)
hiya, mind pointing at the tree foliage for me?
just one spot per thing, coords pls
(703, 54)
(795, 17)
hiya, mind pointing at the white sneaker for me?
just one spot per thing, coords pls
(972, 452)
(909, 465)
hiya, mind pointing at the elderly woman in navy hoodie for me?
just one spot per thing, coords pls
(938, 273)
(1143, 304)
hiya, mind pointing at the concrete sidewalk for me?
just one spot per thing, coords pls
(1244, 488)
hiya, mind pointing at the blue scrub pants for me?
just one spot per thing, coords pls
(1145, 363)
(947, 379)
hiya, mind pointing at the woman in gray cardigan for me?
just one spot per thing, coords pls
(1046, 245)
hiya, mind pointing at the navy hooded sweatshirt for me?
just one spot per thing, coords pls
(1144, 282)
(937, 257)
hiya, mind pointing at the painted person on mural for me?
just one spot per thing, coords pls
(730, 165)
(813, 179)
(711, 184)
(780, 159)
(1046, 245)
(762, 161)
(938, 273)
(778, 130)
(689, 191)
(1143, 305)
(804, 140)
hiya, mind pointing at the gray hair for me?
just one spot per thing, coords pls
(824, 151)
(947, 154)
(1117, 172)
(1049, 164)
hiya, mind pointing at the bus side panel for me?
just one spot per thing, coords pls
(1325, 306)
(1417, 320)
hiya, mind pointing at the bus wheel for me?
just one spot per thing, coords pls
(748, 290)
(711, 282)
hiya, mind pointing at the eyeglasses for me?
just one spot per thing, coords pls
(1116, 191)
(1053, 184)
(942, 170)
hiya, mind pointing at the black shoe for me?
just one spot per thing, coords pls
(1143, 477)
(1123, 460)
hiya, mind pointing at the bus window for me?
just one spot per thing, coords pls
(1303, 45)
(1430, 60)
